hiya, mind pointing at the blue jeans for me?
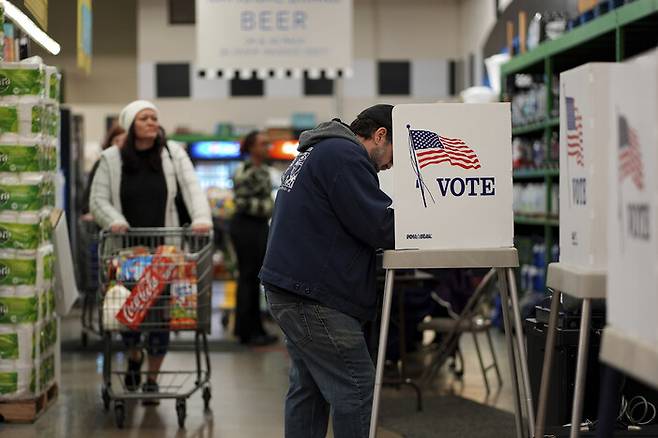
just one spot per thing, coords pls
(331, 368)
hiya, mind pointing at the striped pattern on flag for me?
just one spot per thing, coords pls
(630, 155)
(431, 148)
(574, 132)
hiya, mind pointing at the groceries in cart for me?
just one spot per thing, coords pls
(144, 281)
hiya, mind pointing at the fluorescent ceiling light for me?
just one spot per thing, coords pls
(29, 27)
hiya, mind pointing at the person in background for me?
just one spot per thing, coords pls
(319, 270)
(115, 136)
(249, 228)
(135, 186)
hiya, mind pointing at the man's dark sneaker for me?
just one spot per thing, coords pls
(134, 373)
(150, 387)
(262, 340)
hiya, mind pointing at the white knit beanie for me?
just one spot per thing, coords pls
(130, 111)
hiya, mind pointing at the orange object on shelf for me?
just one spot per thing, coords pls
(284, 150)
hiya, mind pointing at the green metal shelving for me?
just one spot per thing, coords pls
(521, 219)
(605, 38)
(536, 173)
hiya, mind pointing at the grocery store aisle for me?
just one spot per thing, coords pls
(248, 389)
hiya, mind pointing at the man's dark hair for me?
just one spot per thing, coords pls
(373, 118)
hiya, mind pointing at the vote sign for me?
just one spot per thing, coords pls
(632, 221)
(452, 176)
(584, 135)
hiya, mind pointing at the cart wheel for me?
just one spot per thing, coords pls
(181, 411)
(105, 395)
(84, 339)
(119, 414)
(206, 398)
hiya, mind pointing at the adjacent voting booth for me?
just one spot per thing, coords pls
(630, 339)
(584, 192)
(452, 191)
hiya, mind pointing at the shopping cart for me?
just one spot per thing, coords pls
(88, 279)
(168, 274)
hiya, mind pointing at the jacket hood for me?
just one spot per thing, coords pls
(333, 129)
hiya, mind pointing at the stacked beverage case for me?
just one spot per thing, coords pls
(29, 136)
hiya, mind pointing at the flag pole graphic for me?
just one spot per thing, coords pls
(414, 165)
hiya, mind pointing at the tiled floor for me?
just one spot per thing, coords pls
(248, 388)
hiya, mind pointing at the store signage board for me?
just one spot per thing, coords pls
(632, 290)
(214, 150)
(84, 37)
(39, 10)
(273, 34)
(452, 176)
(584, 135)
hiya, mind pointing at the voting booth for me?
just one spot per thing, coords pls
(453, 176)
(584, 133)
(452, 192)
(585, 98)
(630, 340)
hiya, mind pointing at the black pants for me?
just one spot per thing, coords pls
(249, 236)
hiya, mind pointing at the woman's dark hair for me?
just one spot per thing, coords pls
(114, 131)
(365, 127)
(129, 151)
(248, 142)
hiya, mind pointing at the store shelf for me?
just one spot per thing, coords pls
(536, 173)
(536, 127)
(535, 220)
(580, 35)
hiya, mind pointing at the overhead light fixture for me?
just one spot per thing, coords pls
(29, 27)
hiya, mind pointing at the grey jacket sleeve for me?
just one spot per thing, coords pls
(100, 200)
(195, 200)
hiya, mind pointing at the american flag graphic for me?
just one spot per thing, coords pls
(574, 132)
(630, 155)
(431, 148)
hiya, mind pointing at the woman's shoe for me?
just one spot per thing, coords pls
(134, 374)
(150, 387)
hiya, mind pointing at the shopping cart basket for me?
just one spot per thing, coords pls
(155, 279)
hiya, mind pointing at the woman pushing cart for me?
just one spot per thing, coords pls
(147, 184)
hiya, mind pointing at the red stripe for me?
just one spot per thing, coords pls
(452, 160)
(451, 139)
(447, 152)
(440, 156)
(427, 163)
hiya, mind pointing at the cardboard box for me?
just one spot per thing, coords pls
(584, 135)
(632, 209)
(452, 176)
(66, 289)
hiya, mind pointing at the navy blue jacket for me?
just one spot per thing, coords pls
(329, 218)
